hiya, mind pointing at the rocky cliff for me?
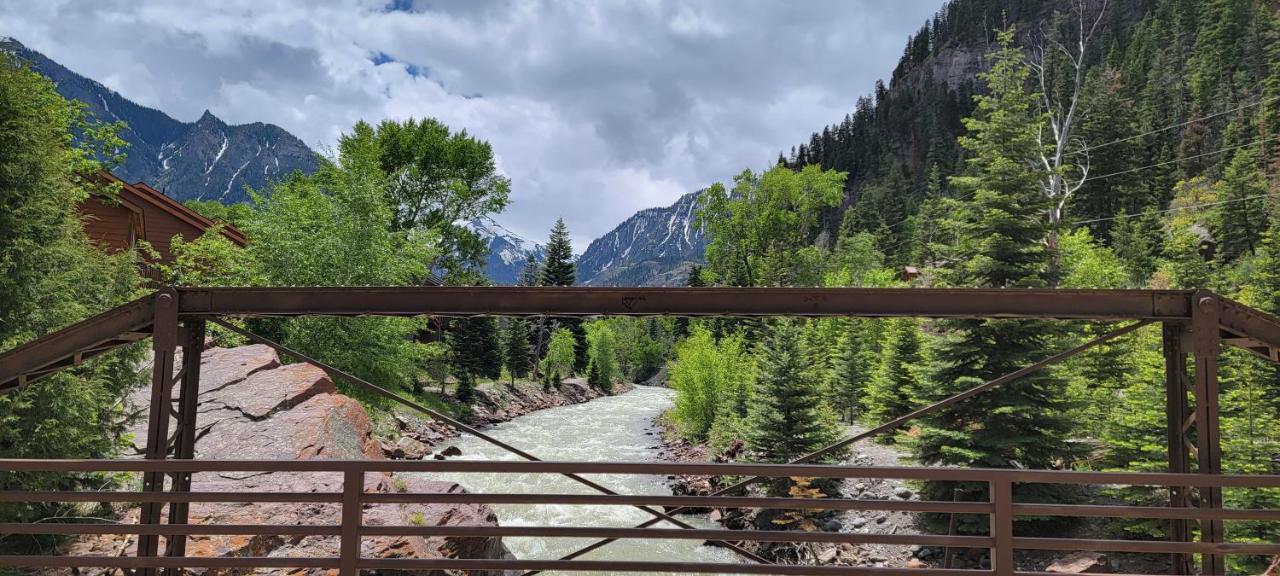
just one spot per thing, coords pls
(252, 407)
(654, 247)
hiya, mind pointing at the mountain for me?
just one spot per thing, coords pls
(507, 251)
(654, 247)
(202, 160)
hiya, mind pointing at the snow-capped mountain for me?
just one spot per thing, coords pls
(507, 251)
(655, 247)
(202, 160)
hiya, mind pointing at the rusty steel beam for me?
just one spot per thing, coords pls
(553, 301)
(164, 344)
(185, 436)
(1177, 413)
(1207, 347)
(59, 349)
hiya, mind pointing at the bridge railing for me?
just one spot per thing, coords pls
(1000, 507)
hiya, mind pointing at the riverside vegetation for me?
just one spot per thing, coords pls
(1118, 144)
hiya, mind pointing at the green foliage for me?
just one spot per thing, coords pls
(710, 380)
(762, 233)
(51, 275)
(1241, 217)
(557, 266)
(234, 214)
(787, 418)
(604, 355)
(856, 355)
(518, 354)
(476, 352)
(437, 179)
(894, 388)
(560, 354)
(334, 228)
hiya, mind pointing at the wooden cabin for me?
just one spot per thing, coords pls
(140, 212)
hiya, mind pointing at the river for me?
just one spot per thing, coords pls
(609, 428)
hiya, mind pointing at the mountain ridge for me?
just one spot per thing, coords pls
(203, 160)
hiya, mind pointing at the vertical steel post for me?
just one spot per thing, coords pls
(1002, 528)
(164, 338)
(185, 440)
(352, 517)
(1176, 413)
(1207, 346)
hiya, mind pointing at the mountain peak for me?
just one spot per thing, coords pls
(209, 118)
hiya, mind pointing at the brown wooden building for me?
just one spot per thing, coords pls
(140, 212)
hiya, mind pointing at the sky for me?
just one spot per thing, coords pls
(595, 109)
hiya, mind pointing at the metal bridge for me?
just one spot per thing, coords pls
(1196, 325)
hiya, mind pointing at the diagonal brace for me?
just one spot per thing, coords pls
(896, 422)
(659, 516)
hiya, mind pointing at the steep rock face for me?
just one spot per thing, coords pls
(202, 160)
(252, 408)
(655, 247)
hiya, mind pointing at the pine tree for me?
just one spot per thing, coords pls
(558, 270)
(787, 418)
(476, 352)
(1001, 245)
(557, 265)
(1241, 215)
(894, 386)
(519, 357)
(466, 388)
(858, 347)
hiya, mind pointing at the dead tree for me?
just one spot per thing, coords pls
(1063, 173)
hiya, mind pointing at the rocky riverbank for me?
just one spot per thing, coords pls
(252, 407)
(677, 449)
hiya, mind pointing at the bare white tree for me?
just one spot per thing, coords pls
(1064, 157)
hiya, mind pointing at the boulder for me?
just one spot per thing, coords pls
(1082, 563)
(409, 449)
(250, 407)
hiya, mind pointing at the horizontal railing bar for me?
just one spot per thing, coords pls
(1154, 547)
(166, 562)
(677, 534)
(64, 496)
(1100, 511)
(684, 502)
(648, 468)
(611, 566)
(174, 529)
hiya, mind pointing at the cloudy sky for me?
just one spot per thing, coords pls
(596, 108)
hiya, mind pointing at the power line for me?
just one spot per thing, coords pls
(1176, 208)
(1175, 161)
(1181, 124)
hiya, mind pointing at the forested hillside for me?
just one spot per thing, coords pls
(1169, 90)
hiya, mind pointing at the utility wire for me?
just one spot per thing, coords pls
(1176, 209)
(1177, 160)
(1181, 124)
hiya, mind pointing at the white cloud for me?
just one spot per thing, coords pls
(595, 108)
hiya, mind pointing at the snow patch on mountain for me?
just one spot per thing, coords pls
(655, 247)
(508, 252)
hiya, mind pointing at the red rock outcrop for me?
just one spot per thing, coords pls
(251, 407)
